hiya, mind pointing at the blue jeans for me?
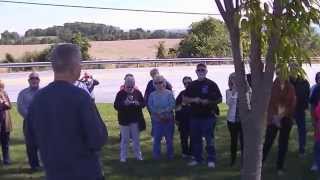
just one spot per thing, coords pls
(300, 117)
(162, 130)
(32, 151)
(317, 154)
(203, 127)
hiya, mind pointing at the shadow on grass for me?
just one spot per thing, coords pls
(163, 169)
(17, 173)
(17, 141)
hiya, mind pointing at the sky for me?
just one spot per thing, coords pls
(19, 18)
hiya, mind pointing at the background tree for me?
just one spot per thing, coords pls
(278, 25)
(311, 42)
(138, 33)
(206, 38)
(9, 58)
(172, 53)
(65, 35)
(43, 56)
(9, 37)
(157, 34)
(161, 50)
(83, 43)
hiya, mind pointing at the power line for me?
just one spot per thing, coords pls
(109, 8)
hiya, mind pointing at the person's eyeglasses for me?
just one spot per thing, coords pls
(159, 82)
(201, 70)
(34, 78)
(186, 83)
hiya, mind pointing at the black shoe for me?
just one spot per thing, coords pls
(233, 161)
(36, 169)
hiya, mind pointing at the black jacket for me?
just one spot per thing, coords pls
(129, 113)
(302, 88)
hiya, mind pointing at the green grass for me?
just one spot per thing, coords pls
(297, 169)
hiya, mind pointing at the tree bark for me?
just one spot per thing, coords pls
(252, 120)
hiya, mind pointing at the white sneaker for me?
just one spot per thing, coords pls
(280, 172)
(123, 160)
(184, 156)
(193, 163)
(314, 167)
(211, 165)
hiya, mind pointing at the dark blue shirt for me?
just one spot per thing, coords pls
(65, 124)
(205, 89)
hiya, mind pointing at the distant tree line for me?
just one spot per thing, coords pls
(92, 31)
(44, 55)
(206, 38)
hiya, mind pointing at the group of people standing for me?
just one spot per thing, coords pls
(195, 110)
(63, 125)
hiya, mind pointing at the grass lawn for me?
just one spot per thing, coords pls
(297, 168)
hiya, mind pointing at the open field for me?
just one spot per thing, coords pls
(124, 49)
(297, 168)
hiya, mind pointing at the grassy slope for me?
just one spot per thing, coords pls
(165, 170)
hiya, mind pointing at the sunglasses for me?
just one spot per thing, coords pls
(34, 78)
(201, 70)
(188, 82)
(159, 82)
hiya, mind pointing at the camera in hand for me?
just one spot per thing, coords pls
(130, 99)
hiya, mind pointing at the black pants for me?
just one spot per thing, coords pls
(300, 117)
(283, 140)
(184, 129)
(4, 138)
(235, 134)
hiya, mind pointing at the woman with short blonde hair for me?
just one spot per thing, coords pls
(5, 124)
(161, 104)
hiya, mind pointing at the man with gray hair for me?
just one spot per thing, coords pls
(25, 98)
(65, 124)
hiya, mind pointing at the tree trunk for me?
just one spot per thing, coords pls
(253, 133)
(252, 120)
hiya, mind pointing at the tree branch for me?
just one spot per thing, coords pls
(221, 9)
(237, 4)
(256, 64)
(274, 41)
(228, 4)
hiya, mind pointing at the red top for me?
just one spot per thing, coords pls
(317, 122)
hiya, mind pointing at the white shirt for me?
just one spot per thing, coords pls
(82, 85)
(231, 101)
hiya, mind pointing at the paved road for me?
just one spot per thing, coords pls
(112, 79)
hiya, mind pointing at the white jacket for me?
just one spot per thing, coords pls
(231, 100)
